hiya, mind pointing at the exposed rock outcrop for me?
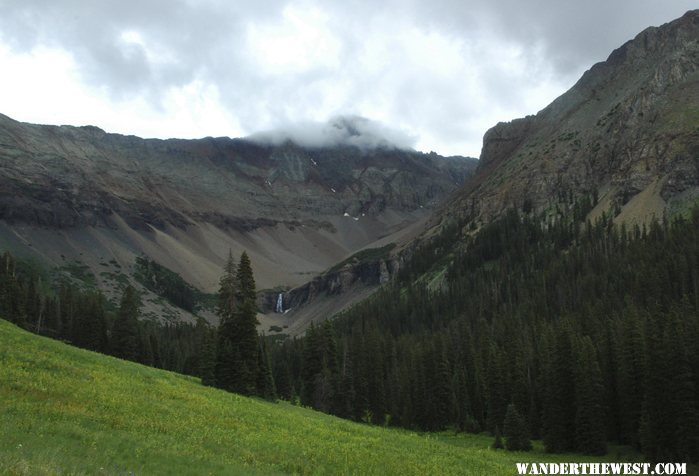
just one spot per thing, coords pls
(630, 122)
(79, 176)
(370, 273)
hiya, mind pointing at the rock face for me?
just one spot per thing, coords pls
(368, 274)
(628, 129)
(80, 194)
(72, 176)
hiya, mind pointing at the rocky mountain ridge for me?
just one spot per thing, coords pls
(70, 176)
(628, 130)
(83, 200)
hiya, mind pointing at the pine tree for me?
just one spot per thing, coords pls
(283, 379)
(681, 405)
(515, 431)
(497, 389)
(227, 365)
(265, 381)
(246, 324)
(90, 329)
(589, 417)
(155, 347)
(559, 405)
(656, 432)
(125, 340)
(207, 361)
(12, 296)
(346, 391)
(442, 393)
(237, 359)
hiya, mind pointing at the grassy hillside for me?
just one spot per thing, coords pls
(68, 411)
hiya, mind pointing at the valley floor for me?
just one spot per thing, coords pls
(65, 410)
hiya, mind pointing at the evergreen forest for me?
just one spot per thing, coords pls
(535, 326)
(545, 327)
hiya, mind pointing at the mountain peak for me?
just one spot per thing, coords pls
(627, 129)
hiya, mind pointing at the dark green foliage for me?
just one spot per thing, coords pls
(365, 256)
(559, 401)
(498, 394)
(207, 361)
(515, 431)
(589, 393)
(589, 329)
(245, 316)
(228, 363)
(265, 381)
(13, 296)
(126, 342)
(497, 444)
(89, 329)
(84, 318)
(239, 366)
(168, 284)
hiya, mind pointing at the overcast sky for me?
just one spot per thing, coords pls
(436, 74)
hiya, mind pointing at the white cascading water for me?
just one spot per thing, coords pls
(280, 304)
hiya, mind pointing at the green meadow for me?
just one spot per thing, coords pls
(65, 410)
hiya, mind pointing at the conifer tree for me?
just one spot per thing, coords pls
(125, 340)
(207, 360)
(346, 391)
(246, 325)
(682, 403)
(237, 359)
(227, 365)
(90, 323)
(155, 348)
(12, 296)
(656, 432)
(265, 381)
(497, 390)
(515, 431)
(589, 417)
(559, 406)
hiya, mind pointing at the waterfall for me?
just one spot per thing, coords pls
(280, 304)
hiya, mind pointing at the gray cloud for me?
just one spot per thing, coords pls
(444, 70)
(572, 34)
(340, 130)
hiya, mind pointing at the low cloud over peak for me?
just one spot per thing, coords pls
(348, 130)
(443, 70)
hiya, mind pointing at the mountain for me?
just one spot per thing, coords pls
(627, 131)
(546, 289)
(79, 198)
(626, 135)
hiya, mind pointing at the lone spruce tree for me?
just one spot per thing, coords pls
(245, 316)
(227, 365)
(237, 362)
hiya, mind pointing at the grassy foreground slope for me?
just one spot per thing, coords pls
(64, 410)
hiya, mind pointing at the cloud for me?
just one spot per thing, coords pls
(442, 71)
(340, 130)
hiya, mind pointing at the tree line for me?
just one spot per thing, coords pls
(232, 357)
(85, 318)
(540, 326)
(547, 326)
